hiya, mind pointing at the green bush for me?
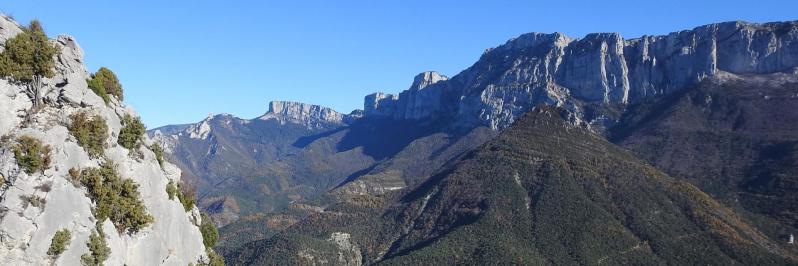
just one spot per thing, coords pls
(209, 232)
(156, 148)
(171, 190)
(115, 198)
(132, 132)
(105, 83)
(98, 248)
(59, 243)
(91, 133)
(97, 87)
(27, 58)
(32, 156)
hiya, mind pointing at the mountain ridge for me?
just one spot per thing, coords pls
(538, 68)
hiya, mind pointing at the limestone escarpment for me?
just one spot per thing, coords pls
(603, 68)
(312, 116)
(27, 227)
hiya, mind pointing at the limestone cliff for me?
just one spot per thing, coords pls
(26, 230)
(312, 116)
(603, 68)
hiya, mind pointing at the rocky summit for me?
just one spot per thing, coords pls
(555, 69)
(48, 216)
(312, 116)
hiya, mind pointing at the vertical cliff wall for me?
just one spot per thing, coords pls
(555, 69)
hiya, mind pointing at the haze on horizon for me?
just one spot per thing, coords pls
(181, 60)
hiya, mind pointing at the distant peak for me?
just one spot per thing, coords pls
(308, 114)
(295, 107)
(427, 78)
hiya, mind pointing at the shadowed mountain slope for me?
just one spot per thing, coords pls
(543, 192)
(735, 137)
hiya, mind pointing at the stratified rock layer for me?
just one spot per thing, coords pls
(554, 69)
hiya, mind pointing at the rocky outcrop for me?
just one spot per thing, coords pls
(200, 130)
(554, 69)
(312, 116)
(26, 230)
(421, 100)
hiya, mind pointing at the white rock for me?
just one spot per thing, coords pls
(26, 233)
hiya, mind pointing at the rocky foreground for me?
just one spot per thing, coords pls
(34, 206)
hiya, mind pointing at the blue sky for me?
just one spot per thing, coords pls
(181, 60)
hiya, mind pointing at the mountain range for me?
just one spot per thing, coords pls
(676, 149)
(671, 149)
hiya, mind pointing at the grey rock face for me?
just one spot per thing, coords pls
(312, 116)
(425, 79)
(554, 69)
(595, 68)
(380, 104)
(419, 101)
(26, 231)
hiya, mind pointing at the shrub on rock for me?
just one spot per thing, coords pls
(90, 132)
(132, 132)
(97, 87)
(98, 248)
(28, 58)
(214, 259)
(105, 84)
(115, 198)
(156, 148)
(171, 190)
(59, 243)
(185, 194)
(209, 232)
(31, 154)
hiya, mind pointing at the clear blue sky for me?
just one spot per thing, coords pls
(180, 60)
